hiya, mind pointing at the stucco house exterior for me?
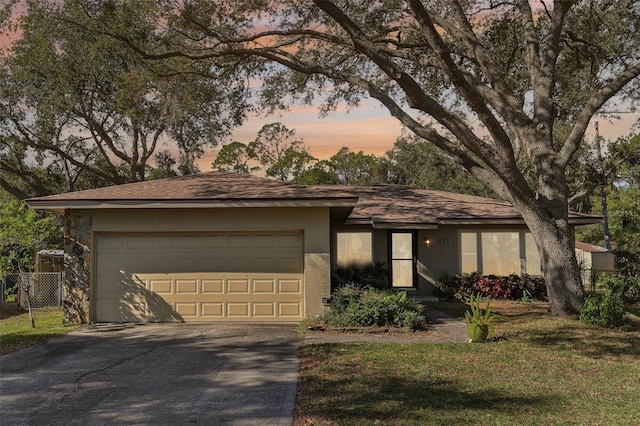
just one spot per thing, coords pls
(594, 260)
(231, 247)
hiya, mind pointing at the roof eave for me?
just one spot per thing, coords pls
(584, 220)
(510, 221)
(56, 206)
(400, 225)
(376, 224)
(483, 221)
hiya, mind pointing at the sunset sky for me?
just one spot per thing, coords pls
(369, 128)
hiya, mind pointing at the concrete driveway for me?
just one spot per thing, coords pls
(154, 374)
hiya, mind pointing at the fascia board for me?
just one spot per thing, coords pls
(57, 206)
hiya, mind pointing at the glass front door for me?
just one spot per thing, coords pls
(402, 259)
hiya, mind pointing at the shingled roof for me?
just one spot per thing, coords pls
(384, 206)
(212, 189)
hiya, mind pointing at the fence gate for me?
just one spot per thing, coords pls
(44, 288)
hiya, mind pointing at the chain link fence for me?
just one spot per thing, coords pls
(44, 288)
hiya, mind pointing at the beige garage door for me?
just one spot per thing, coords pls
(199, 277)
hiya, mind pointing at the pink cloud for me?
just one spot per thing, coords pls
(11, 34)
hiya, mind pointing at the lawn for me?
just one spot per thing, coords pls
(540, 370)
(16, 332)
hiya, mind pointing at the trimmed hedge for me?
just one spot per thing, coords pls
(512, 287)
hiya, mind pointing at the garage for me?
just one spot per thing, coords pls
(214, 246)
(230, 276)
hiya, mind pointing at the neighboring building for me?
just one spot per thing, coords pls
(594, 260)
(50, 261)
(224, 246)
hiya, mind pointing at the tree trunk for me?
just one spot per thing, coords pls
(557, 255)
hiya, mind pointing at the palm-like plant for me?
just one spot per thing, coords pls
(479, 321)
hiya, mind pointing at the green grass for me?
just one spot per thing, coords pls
(16, 332)
(541, 370)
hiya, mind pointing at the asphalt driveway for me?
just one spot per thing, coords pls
(154, 374)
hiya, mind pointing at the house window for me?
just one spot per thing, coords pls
(499, 253)
(354, 248)
(402, 259)
(532, 255)
(469, 251)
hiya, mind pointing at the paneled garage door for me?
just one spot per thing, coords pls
(199, 277)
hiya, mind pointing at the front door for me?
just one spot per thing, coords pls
(402, 258)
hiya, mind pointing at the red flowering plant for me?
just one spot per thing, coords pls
(511, 287)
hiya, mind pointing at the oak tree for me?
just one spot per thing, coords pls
(487, 82)
(85, 104)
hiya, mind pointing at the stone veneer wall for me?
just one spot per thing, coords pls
(77, 259)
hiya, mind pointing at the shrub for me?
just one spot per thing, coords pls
(352, 305)
(627, 262)
(613, 283)
(627, 286)
(345, 296)
(511, 287)
(632, 293)
(605, 307)
(370, 275)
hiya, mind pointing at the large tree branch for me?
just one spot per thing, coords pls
(31, 179)
(544, 86)
(96, 171)
(496, 179)
(13, 190)
(505, 103)
(416, 96)
(590, 109)
(40, 145)
(532, 46)
(473, 98)
(504, 156)
(102, 134)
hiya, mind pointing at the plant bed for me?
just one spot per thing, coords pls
(355, 306)
(331, 329)
(510, 287)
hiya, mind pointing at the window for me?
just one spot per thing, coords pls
(402, 270)
(353, 248)
(499, 253)
(469, 251)
(532, 256)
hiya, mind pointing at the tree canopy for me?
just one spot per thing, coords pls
(505, 89)
(621, 166)
(416, 162)
(80, 103)
(22, 233)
